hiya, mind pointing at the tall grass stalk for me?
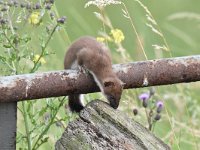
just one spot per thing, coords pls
(26, 124)
(158, 31)
(195, 138)
(65, 30)
(103, 22)
(43, 49)
(127, 15)
(173, 131)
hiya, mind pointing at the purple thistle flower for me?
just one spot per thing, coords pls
(159, 105)
(144, 96)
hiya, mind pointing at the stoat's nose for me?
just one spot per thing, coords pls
(114, 104)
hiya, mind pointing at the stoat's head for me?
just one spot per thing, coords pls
(113, 90)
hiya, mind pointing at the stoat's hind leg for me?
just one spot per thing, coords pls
(75, 103)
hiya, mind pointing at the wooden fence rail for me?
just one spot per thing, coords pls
(60, 83)
(135, 75)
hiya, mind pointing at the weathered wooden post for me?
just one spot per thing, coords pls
(100, 127)
(8, 125)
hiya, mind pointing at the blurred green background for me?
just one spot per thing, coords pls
(180, 125)
(182, 35)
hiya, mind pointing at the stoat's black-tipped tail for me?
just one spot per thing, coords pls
(74, 103)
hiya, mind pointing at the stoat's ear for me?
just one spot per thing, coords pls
(108, 83)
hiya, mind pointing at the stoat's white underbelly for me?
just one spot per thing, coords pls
(75, 65)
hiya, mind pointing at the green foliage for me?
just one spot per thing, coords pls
(34, 38)
(19, 56)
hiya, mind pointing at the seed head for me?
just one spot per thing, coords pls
(15, 3)
(51, 1)
(157, 117)
(145, 103)
(37, 6)
(11, 3)
(5, 8)
(22, 5)
(61, 20)
(28, 6)
(48, 6)
(52, 15)
(135, 111)
(152, 91)
(3, 21)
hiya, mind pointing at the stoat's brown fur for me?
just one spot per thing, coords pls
(93, 56)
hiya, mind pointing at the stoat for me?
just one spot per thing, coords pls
(93, 56)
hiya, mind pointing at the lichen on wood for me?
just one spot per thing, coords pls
(100, 127)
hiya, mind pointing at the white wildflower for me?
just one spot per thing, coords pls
(101, 3)
(125, 14)
(149, 18)
(154, 30)
(158, 47)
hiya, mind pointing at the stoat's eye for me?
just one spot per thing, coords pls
(111, 97)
